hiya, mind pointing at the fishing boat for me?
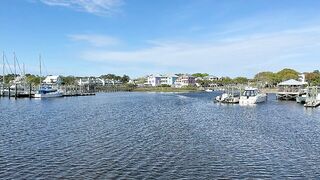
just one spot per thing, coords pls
(252, 96)
(47, 92)
(230, 96)
(301, 98)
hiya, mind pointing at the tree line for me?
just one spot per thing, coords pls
(66, 80)
(266, 78)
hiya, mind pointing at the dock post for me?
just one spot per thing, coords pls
(9, 92)
(16, 91)
(30, 89)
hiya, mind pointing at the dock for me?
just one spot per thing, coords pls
(312, 104)
(79, 94)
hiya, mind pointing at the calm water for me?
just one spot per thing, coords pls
(153, 135)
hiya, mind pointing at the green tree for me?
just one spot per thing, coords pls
(287, 74)
(125, 79)
(267, 77)
(226, 80)
(240, 80)
(69, 80)
(33, 79)
(313, 78)
(200, 75)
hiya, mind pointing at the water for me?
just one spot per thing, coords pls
(154, 135)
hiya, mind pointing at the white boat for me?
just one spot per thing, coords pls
(48, 92)
(228, 98)
(301, 98)
(208, 90)
(252, 96)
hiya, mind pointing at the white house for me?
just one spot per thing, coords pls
(52, 80)
(97, 81)
(157, 80)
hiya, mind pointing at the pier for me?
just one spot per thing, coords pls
(313, 97)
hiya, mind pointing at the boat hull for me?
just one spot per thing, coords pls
(244, 100)
(48, 95)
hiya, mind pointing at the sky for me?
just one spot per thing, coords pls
(139, 37)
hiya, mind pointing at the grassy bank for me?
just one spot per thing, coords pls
(165, 89)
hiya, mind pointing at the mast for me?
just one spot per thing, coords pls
(40, 68)
(3, 70)
(14, 62)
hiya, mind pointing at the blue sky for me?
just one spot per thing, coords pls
(139, 37)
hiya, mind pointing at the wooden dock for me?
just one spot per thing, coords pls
(79, 94)
(312, 104)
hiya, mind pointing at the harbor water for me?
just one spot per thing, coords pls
(157, 136)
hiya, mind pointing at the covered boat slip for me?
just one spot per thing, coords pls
(290, 89)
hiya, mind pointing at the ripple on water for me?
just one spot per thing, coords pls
(153, 135)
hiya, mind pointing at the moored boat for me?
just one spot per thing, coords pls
(47, 92)
(252, 96)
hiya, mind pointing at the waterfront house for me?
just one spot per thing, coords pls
(290, 89)
(97, 81)
(52, 80)
(157, 80)
(211, 78)
(185, 80)
(154, 80)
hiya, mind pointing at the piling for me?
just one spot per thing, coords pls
(16, 91)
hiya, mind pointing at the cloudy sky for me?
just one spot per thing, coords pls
(138, 37)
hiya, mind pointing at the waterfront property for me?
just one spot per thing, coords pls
(52, 80)
(185, 80)
(290, 89)
(157, 80)
(93, 81)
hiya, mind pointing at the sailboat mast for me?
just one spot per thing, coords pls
(3, 69)
(15, 66)
(40, 68)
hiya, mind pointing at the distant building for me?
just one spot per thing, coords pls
(52, 80)
(185, 80)
(154, 80)
(290, 89)
(157, 80)
(211, 78)
(97, 82)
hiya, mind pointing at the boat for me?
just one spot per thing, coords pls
(47, 92)
(252, 96)
(301, 98)
(208, 90)
(228, 98)
(313, 99)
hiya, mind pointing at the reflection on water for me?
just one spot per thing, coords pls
(153, 135)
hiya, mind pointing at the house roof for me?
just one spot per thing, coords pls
(292, 82)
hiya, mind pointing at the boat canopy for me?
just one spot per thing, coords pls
(292, 82)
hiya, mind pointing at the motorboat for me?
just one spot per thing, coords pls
(47, 92)
(228, 98)
(301, 98)
(252, 96)
(208, 90)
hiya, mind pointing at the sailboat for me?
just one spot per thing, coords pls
(46, 91)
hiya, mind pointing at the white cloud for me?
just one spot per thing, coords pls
(254, 52)
(95, 39)
(97, 7)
